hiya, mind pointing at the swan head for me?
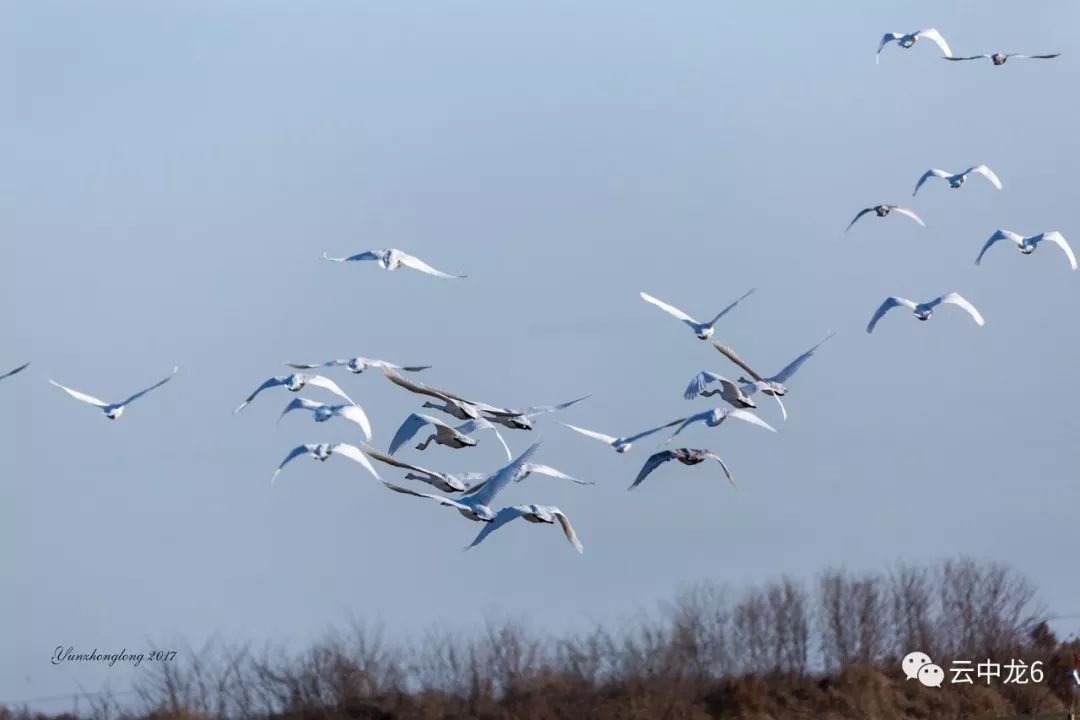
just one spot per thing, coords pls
(956, 181)
(999, 58)
(114, 413)
(923, 315)
(623, 448)
(882, 210)
(355, 367)
(1027, 249)
(705, 333)
(519, 422)
(294, 383)
(322, 414)
(483, 513)
(907, 41)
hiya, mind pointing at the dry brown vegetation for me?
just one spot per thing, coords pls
(827, 650)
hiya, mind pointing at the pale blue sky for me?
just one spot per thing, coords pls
(179, 168)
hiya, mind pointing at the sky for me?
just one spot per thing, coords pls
(176, 170)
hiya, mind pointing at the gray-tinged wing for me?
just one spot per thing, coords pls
(961, 302)
(699, 382)
(299, 404)
(792, 367)
(410, 427)
(422, 389)
(326, 383)
(734, 357)
(15, 371)
(646, 433)
(935, 36)
(272, 382)
(501, 518)
(1036, 57)
(969, 57)
(909, 213)
(889, 304)
(1058, 239)
(156, 385)
(727, 472)
(500, 479)
(80, 395)
(391, 460)
(296, 452)
(731, 307)
(567, 528)
(310, 366)
(861, 213)
(437, 498)
(411, 261)
(541, 469)
(885, 40)
(999, 235)
(655, 460)
(355, 454)
(368, 255)
(687, 422)
(591, 433)
(544, 409)
(470, 426)
(932, 172)
(987, 173)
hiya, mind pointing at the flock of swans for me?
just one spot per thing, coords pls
(456, 422)
(1026, 245)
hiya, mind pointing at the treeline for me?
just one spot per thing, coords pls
(788, 649)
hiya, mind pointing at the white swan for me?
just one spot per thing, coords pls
(775, 385)
(523, 419)
(476, 506)
(392, 259)
(295, 383)
(451, 437)
(1001, 58)
(476, 480)
(446, 482)
(957, 180)
(546, 514)
(1027, 245)
(112, 410)
(687, 456)
(885, 209)
(923, 311)
(323, 412)
(17, 370)
(452, 404)
(703, 330)
(717, 416)
(621, 444)
(323, 451)
(358, 365)
(907, 40)
(729, 392)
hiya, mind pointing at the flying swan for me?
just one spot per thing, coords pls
(687, 456)
(323, 451)
(923, 311)
(112, 410)
(703, 330)
(392, 259)
(1027, 245)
